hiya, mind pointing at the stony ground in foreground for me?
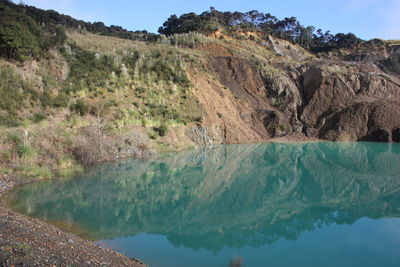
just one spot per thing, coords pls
(26, 241)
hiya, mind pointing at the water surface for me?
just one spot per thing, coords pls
(313, 204)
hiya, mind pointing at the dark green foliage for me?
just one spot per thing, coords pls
(86, 70)
(47, 100)
(10, 120)
(21, 37)
(167, 72)
(16, 42)
(51, 17)
(15, 95)
(163, 111)
(38, 117)
(54, 36)
(167, 67)
(18, 32)
(162, 130)
(60, 101)
(80, 107)
(190, 22)
(325, 41)
(287, 28)
(14, 138)
(11, 90)
(117, 31)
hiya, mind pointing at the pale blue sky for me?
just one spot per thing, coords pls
(365, 18)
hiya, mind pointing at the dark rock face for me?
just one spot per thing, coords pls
(396, 135)
(349, 101)
(385, 56)
(353, 95)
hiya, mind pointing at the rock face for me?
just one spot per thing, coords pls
(353, 95)
(354, 100)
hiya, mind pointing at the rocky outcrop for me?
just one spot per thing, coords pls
(384, 55)
(351, 97)
(349, 101)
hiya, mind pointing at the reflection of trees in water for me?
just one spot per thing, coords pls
(228, 196)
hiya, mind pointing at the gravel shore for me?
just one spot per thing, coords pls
(25, 241)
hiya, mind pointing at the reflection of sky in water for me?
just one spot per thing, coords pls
(366, 243)
(315, 204)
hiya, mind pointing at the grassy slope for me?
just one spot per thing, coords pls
(109, 84)
(101, 98)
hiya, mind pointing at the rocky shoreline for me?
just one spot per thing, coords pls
(25, 241)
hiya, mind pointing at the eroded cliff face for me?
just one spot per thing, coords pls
(354, 100)
(215, 91)
(353, 95)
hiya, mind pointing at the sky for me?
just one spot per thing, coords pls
(366, 18)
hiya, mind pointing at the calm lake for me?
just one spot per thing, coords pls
(311, 204)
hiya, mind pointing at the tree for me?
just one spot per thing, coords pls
(305, 38)
(99, 111)
(287, 28)
(16, 41)
(346, 40)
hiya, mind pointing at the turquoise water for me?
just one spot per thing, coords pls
(315, 204)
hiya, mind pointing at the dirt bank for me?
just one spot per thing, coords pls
(26, 241)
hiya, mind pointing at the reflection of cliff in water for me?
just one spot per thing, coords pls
(228, 196)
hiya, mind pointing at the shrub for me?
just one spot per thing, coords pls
(9, 120)
(188, 39)
(17, 39)
(87, 70)
(162, 130)
(13, 90)
(38, 117)
(85, 151)
(14, 138)
(6, 152)
(80, 107)
(26, 153)
(61, 100)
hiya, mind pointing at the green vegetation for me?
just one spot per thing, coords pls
(51, 18)
(191, 39)
(74, 106)
(162, 130)
(15, 94)
(74, 93)
(26, 31)
(255, 21)
(86, 71)
(21, 37)
(150, 85)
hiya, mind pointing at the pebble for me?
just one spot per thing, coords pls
(45, 240)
